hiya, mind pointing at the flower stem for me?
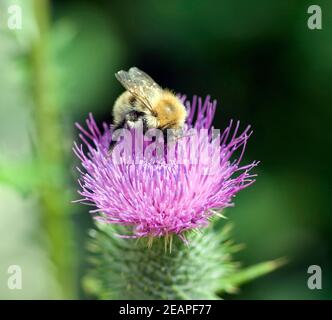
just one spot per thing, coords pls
(54, 201)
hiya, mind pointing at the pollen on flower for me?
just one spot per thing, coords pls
(164, 197)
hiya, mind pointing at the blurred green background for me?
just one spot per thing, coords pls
(257, 58)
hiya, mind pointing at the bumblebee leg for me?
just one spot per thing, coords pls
(113, 141)
(145, 125)
(165, 137)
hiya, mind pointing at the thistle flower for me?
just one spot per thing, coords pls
(165, 196)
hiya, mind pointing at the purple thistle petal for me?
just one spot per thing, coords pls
(163, 197)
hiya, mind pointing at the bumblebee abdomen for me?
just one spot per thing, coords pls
(170, 111)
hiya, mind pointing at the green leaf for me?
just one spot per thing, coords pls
(233, 281)
(23, 176)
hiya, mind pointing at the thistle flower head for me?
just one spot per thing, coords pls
(161, 195)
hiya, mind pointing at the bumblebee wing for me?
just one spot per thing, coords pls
(143, 79)
(139, 84)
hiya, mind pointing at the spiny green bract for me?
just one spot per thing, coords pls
(125, 268)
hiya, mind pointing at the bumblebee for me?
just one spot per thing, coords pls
(145, 103)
